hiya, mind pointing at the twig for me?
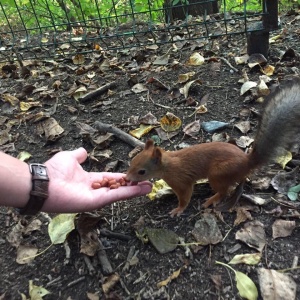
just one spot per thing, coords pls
(98, 92)
(75, 281)
(116, 235)
(105, 264)
(229, 64)
(160, 105)
(89, 265)
(103, 127)
(53, 281)
(129, 257)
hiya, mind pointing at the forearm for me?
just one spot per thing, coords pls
(15, 183)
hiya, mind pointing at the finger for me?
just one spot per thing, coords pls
(80, 154)
(122, 193)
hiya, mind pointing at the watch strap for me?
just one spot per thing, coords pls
(39, 190)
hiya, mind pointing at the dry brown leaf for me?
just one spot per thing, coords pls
(242, 215)
(283, 228)
(275, 285)
(253, 234)
(110, 282)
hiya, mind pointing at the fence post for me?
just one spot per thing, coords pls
(258, 41)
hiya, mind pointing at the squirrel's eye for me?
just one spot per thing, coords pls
(141, 172)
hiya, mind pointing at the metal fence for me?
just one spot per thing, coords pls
(61, 28)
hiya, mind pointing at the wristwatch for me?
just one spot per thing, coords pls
(39, 190)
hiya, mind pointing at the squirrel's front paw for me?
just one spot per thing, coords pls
(176, 211)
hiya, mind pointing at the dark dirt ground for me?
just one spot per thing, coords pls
(139, 281)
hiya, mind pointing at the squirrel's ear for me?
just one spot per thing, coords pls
(156, 155)
(149, 144)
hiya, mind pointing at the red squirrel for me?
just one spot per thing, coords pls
(222, 163)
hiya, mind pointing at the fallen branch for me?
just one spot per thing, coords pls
(97, 92)
(103, 127)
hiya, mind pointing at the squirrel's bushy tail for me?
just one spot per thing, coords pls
(279, 127)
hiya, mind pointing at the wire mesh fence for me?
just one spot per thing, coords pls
(60, 28)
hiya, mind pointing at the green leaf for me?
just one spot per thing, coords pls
(246, 286)
(60, 227)
(293, 192)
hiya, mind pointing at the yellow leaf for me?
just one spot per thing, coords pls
(24, 155)
(142, 130)
(249, 259)
(169, 279)
(170, 122)
(11, 99)
(268, 70)
(37, 292)
(160, 188)
(196, 60)
(284, 159)
(60, 227)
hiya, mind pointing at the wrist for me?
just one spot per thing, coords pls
(39, 189)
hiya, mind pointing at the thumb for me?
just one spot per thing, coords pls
(80, 154)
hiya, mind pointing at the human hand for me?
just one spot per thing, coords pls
(70, 187)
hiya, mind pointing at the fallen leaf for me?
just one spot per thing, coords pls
(268, 70)
(243, 126)
(256, 59)
(293, 192)
(192, 129)
(284, 180)
(78, 59)
(159, 189)
(247, 86)
(185, 90)
(110, 282)
(282, 228)
(23, 155)
(170, 122)
(162, 60)
(148, 119)
(245, 286)
(284, 158)
(248, 259)
(196, 60)
(182, 78)
(241, 60)
(244, 141)
(275, 285)
(93, 296)
(206, 230)
(52, 129)
(165, 282)
(25, 106)
(60, 226)
(139, 88)
(141, 131)
(37, 292)
(242, 215)
(163, 240)
(26, 254)
(14, 101)
(253, 234)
